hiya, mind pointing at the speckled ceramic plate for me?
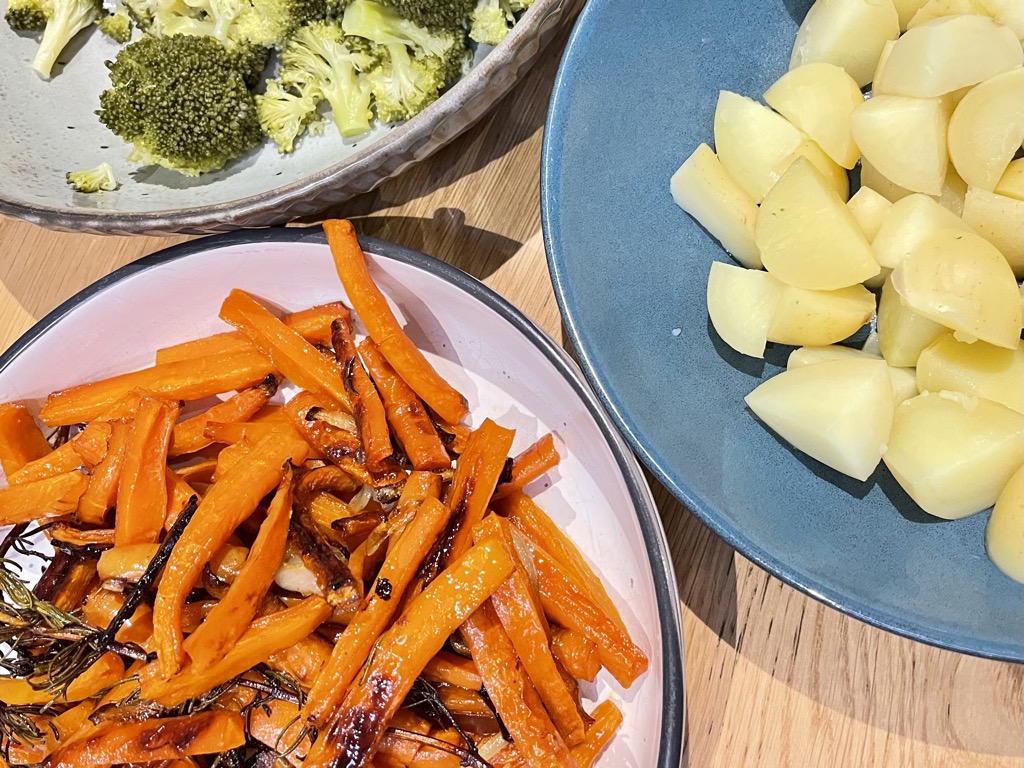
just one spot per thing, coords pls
(49, 128)
(508, 369)
(635, 94)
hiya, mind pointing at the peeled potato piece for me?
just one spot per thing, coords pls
(808, 237)
(838, 411)
(847, 33)
(869, 209)
(908, 223)
(903, 333)
(906, 10)
(904, 383)
(1000, 220)
(872, 178)
(833, 173)
(1012, 183)
(905, 139)
(962, 281)
(741, 304)
(751, 141)
(1004, 535)
(936, 9)
(987, 128)
(954, 453)
(946, 55)
(816, 318)
(703, 189)
(1007, 12)
(818, 98)
(979, 369)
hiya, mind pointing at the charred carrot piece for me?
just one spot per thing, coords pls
(21, 440)
(402, 652)
(372, 308)
(405, 413)
(85, 448)
(476, 476)
(351, 649)
(112, 742)
(42, 499)
(230, 617)
(295, 357)
(101, 494)
(184, 380)
(539, 458)
(578, 654)
(367, 408)
(454, 670)
(142, 487)
(535, 736)
(395, 751)
(226, 504)
(431, 756)
(190, 435)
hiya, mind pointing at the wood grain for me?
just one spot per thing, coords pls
(773, 677)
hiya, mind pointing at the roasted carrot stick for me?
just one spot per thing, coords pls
(253, 431)
(277, 725)
(431, 756)
(42, 499)
(535, 736)
(179, 493)
(578, 654)
(607, 719)
(295, 357)
(303, 660)
(142, 486)
(102, 673)
(405, 413)
(126, 561)
(476, 475)
(372, 308)
(21, 440)
(85, 448)
(114, 743)
(314, 324)
(351, 649)
(539, 458)
(101, 494)
(230, 617)
(229, 501)
(59, 730)
(91, 443)
(454, 670)
(184, 380)
(17, 691)
(398, 752)
(189, 435)
(402, 652)
(198, 473)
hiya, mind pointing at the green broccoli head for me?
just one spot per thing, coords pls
(265, 23)
(403, 86)
(181, 102)
(60, 21)
(365, 18)
(491, 21)
(285, 114)
(118, 25)
(433, 14)
(271, 22)
(98, 179)
(28, 15)
(249, 59)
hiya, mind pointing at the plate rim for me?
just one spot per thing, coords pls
(666, 588)
(550, 167)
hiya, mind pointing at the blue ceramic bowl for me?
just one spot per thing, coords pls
(635, 94)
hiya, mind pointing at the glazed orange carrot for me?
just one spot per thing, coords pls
(124, 408)
(17, 691)
(253, 431)
(179, 493)
(372, 308)
(42, 499)
(91, 443)
(21, 440)
(476, 475)
(578, 654)
(198, 473)
(296, 358)
(59, 731)
(520, 614)
(539, 458)
(569, 604)
(166, 738)
(402, 652)
(430, 756)
(454, 670)
(535, 736)
(313, 324)
(277, 725)
(303, 660)
(228, 502)
(367, 407)
(101, 494)
(397, 752)
(405, 413)
(86, 448)
(142, 486)
(127, 561)
(607, 719)
(189, 435)
(351, 649)
(102, 673)
(233, 613)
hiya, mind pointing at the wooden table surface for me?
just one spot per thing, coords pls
(773, 678)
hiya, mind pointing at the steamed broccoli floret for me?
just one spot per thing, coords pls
(27, 15)
(435, 14)
(181, 102)
(286, 114)
(266, 23)
(148, 14)
(491, 21)
(117, 25)
(60, 21)
(383, 26)
(249, 60)
(100, 178)
(404, 86)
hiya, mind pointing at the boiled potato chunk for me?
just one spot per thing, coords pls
(847, 33)
(838, 411)
(816, 318)
(703, 189)
(975, 369)
(1004, 535)
(1012, 183)
(987, 128)
(954, 190)
(948, 54)
(1007, 12)
(962, 281)
(908, 223)
(751, 141)
(833, 173)
(871, 178)
(818, 99)
(954, 453)
(905, 139)
(869, 209)
(1000, 220)
(904, 383)
(906, 10)
(741, 304)
(902, 333)
(808, 237)
(936, 9)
